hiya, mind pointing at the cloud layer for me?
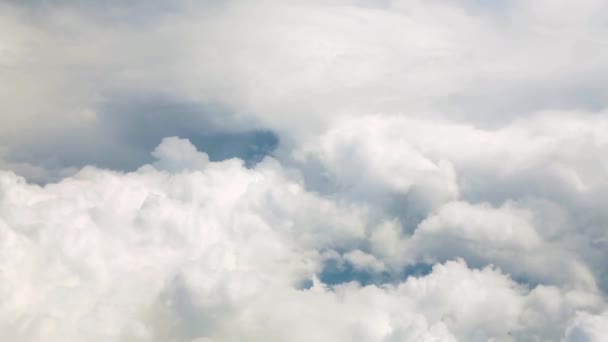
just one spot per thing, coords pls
(185, 249)
(303, 171)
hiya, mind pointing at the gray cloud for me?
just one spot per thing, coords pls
(125, 130)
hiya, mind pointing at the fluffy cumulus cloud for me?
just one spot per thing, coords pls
(374, 171)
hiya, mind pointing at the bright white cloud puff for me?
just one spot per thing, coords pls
(430, 171)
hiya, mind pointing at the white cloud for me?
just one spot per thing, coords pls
(219, 251)
(465, 139)
(503, 236)
(179, 154)
(586, 327)
(442, 168)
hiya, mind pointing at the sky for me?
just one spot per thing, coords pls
(338, 170)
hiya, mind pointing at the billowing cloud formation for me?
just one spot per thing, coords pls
(191, 250)
(208, 171)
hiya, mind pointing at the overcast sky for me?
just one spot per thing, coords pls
(341, 170)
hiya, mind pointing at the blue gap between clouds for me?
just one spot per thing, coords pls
(334, 274)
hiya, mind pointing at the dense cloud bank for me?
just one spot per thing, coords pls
(365, 171)
(191, 250)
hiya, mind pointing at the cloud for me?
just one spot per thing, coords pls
(303, 170)
(496, 235)
(125, 130)
(517, 190)
(587, 327)
(178, 154)
(187, 248)
(288, 68)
